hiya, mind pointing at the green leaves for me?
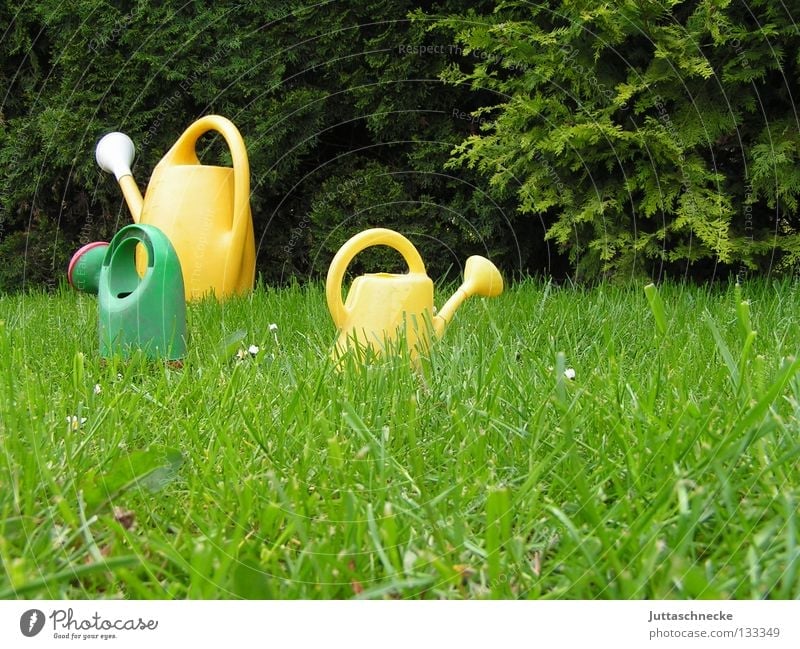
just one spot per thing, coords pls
(228, 346)
(740, 371)
(150, 470)
(666, 109)
(499, 515)
(657, 307)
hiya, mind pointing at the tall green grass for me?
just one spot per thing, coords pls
(667, 468)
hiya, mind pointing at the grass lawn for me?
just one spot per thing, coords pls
(667, 468)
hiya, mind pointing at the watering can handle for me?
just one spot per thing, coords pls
(361, 241)
(184, 152)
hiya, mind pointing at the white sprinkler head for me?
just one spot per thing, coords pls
(114, 154)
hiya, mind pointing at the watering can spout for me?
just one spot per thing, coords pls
(442, 319)
(114, 154)
(481, 277)
(133, 197)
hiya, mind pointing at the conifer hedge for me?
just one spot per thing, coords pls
(345, 118)
(632, 137)
(651, 136)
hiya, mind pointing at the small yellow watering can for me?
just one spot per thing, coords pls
(382, 306)
(204, 210)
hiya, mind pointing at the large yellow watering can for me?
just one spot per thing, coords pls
(204, 210)
(382, 306)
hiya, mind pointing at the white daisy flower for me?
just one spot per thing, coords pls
(569, 373)
(75, 422)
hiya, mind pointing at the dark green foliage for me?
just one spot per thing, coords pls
(640, 137)
(323, 95)
(649, 135)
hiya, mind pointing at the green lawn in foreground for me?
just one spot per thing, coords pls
(667, 468)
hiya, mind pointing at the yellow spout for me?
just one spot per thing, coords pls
(133, 197)
(481, 277)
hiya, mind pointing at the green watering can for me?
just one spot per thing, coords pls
(148, 312)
